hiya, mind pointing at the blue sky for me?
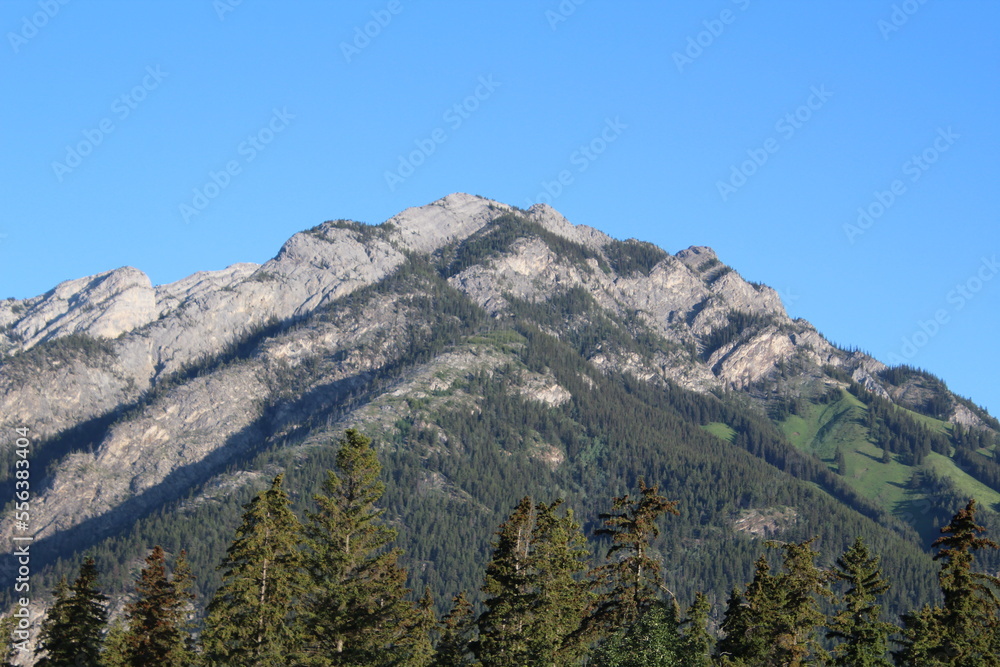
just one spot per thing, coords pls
(190, 135)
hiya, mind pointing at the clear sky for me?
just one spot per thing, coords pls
(190, 135)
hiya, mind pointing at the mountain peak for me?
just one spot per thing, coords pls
(454, 217)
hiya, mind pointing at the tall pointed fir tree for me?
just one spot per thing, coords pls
(158, 626)
(965, 630)
(748, 623)
(7, 648)
(72, 631)
(503, 625)
(561, 594)
(357, 611)
(537, 596)
(698, 641)
(777, 618)
(458, 632)
(631, 579)
(862, 636)
(252, 618)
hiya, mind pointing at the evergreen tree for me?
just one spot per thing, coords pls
(698, 641)
(158, 619)
(357, 607)
(115, 653)
(56, 621)
(776, 620)
(558, 562)
(537, 596)
(251, 620)
(840, 461)
(804, 585)
(416, 647)
(750, 618)
(965, 630)
(72, 631)
(632, 577)
(652, 641)
(458, 628)
(7, 650)
(863, 636)
(503, 625)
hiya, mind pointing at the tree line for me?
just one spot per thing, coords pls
(329, 590)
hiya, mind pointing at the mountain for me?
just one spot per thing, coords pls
(491, 353)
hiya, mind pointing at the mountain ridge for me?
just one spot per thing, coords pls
(399, 328)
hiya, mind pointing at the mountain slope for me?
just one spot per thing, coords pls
(492, 353)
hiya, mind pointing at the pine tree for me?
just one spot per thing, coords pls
(7, 650)
(158, 619)
(51, 641)
(558, 562)
(458, 629)
(698, 641)
(749, 621)
(632, 577)
(72, 631)
(503, 625)
(965, 630)
(115, 653)
(251, 619)
(804, 585)
(357, 608)
(863, 636)
(776, 620)
(652, 641)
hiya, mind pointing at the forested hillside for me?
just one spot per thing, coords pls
(493, 355)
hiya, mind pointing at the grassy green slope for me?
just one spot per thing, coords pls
(822, 429)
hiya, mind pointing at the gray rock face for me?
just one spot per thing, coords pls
(179, 435)
(105, 305)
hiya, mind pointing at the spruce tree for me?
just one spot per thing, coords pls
(537, 595)
(558, 562)
(749, 621)
(803, 585)
(251, 619)
(776, 620)
(863, 636)
(115, 653)
(158, 619)
(504, 624)
(7, 649)
(72, 631)
(965, 630)
(357, 611)
(698, 641)
(458, 629)
(632, 577)
(52, 645)
(652, 641)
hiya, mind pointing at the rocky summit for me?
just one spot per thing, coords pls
(478, 344)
